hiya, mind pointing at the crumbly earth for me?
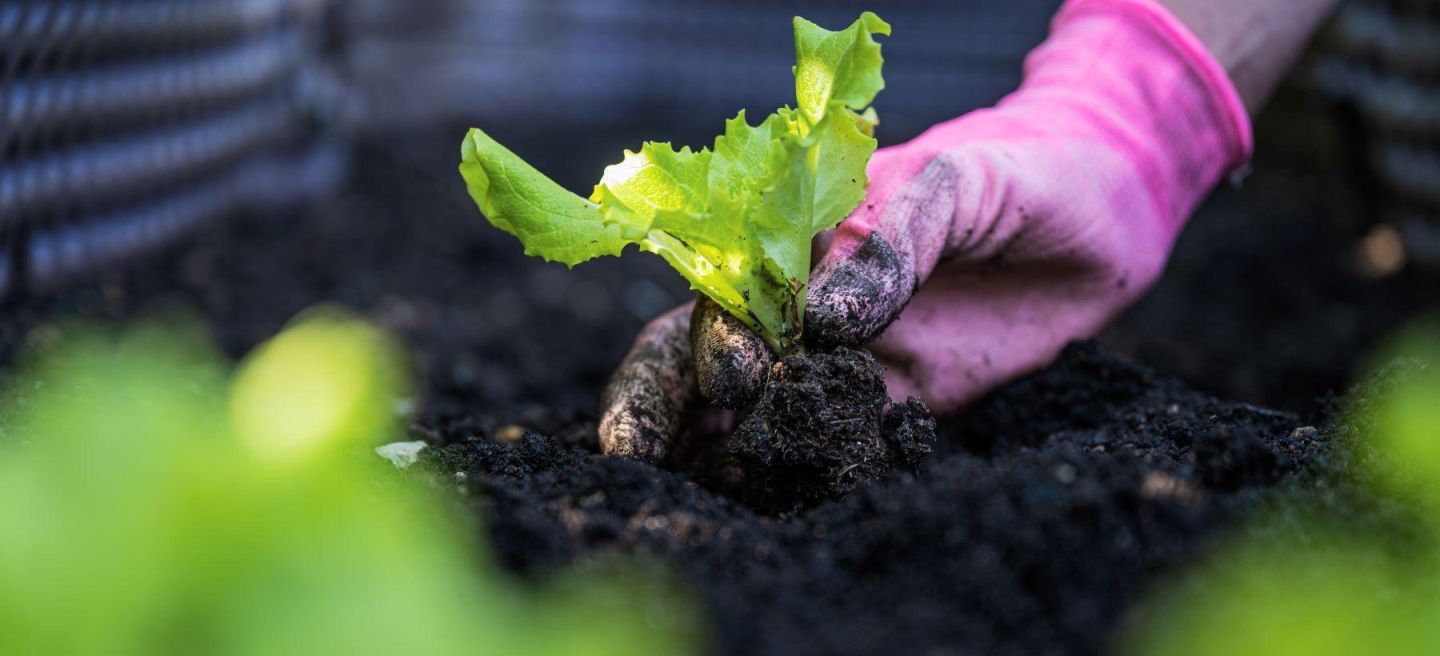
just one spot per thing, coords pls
(1035, 526)
(820, 428)
(1032, 530)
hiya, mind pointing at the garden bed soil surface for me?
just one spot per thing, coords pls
(1037, 522)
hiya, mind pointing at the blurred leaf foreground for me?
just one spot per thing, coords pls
(1303, 581)
(152, 501)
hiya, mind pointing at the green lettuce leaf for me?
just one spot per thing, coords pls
(551, 223)
(736, 219)
(839, 66)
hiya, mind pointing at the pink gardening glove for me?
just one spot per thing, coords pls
(990, 241)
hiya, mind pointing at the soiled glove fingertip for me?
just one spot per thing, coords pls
(646, 400)
(640, 422)
(632, 432)
(731, 361)
(855, 297)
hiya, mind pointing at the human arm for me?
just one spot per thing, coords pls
(1255, 41)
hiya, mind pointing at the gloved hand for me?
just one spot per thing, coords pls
(990, 241)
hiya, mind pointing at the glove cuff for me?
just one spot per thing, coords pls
(1142, 80)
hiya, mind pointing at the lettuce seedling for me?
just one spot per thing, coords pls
(736, 219)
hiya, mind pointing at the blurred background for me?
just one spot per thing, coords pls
(254, 157)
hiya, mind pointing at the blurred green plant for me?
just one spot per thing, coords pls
(1404, 424)
(1308, 587)
(151, 505)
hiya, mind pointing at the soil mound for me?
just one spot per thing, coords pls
(822, 426)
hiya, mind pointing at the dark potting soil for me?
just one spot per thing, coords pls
(1040, 518)
(823, 424)
(1037, 523)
